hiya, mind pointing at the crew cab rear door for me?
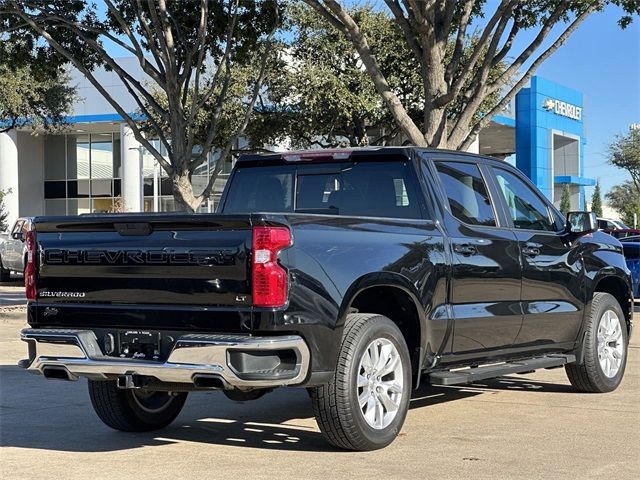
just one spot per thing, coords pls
(485, 265)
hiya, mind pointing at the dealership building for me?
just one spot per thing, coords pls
(97, 166)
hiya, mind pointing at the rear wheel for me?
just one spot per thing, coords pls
(365, 405)
(605, 348)
(135, 410)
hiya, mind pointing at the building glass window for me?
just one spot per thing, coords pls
(78, 148)
(55, 158)
(102, 188)
(82, 173)
(101, 155)
(55, 207)
(79, 206)
(55, 189)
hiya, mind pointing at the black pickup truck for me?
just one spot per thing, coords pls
(353, 273)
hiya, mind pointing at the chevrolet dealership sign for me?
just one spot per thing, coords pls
(563, 108)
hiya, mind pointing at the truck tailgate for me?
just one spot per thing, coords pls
(181, 260)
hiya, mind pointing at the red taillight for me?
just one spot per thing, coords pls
(30, 267)
(269, 280)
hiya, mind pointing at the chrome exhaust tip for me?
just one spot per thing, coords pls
(57, 373)
(201, 380)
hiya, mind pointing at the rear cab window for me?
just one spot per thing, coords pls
(366, 189)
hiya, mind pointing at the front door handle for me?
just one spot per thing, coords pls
(531, 250)
(465, 249)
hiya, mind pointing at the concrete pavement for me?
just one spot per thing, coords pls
(516, 427)
(12, 292)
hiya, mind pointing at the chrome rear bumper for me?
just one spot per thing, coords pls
(77, 353)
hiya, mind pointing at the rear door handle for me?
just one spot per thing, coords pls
(465, 249)
(531, 250)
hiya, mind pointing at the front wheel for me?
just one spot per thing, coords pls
(365, 404)
(605, 348)
(134, 410)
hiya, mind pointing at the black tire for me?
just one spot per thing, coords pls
(336, 404)
(5, 274)
(128, 411)
(589, 376)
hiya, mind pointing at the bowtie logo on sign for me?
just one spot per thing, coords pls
(563, 108)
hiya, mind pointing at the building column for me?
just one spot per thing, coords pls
(131, 154)
(9, 173)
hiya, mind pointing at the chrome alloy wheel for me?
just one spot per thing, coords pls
(610, 343)
(380, 383)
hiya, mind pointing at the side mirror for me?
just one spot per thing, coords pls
(18, 236)
(581, 223)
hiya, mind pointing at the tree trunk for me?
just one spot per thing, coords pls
(185, 200)
(434, 84)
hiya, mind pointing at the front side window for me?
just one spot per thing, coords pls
(526, 208)
(466, 192)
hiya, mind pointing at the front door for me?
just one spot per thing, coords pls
(485, 275)
(552, 288)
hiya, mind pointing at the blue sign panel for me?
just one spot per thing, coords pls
(550, 138)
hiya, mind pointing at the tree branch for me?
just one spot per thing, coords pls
(343, 21)
(150, 38)
(560, 10)
(479, 83)
(406, 28)
(485, 38)
(147, 67)
(484, 121)
(88, 74)
(242, 127)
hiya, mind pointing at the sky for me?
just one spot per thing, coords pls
(603, 62)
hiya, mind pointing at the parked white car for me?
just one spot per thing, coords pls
(13, 250)
(610, 224)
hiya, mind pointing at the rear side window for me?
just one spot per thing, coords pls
(467, 193)
(368, 189)
(526, 208)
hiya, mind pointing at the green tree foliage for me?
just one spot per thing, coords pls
(454, 89)
(34, 84)
(624, 153)
(320, 92)
(189, 52)
(4, 214)
(625, 199)
(565, 200)
(596, 200)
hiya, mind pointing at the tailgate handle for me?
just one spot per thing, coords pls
(133, 229)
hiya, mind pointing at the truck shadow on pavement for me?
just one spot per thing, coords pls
(55, 415)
